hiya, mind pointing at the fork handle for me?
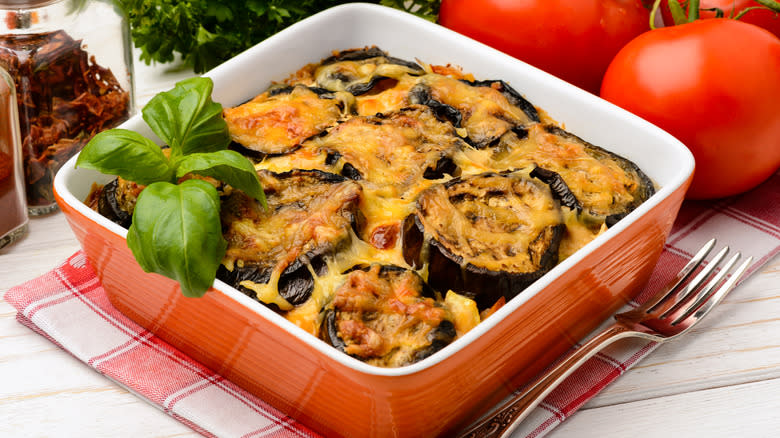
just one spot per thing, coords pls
(504, 420)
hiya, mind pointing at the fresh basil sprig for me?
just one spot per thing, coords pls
(176, 229)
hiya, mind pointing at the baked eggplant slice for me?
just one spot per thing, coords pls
(514, 98)
(369, 53)
(359, 70)
(280, 119)
(607, 186)
(387, 316)
(309, 217)
(392, 152)
(485, 236)
(485, 109)
(117, 201)
(109, 204)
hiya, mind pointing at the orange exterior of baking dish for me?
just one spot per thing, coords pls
(337, 400)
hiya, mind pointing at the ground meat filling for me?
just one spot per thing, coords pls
(380, 315)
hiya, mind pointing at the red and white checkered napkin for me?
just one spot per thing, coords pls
(69, 307)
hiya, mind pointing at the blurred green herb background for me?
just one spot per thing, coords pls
(206, 33)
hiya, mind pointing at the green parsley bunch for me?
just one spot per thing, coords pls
(206, 33)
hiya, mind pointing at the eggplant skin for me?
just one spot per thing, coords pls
(487, 286)
(288, 89)
(439, 337)
(559, 187)
(369, 53)
(296, 282)
(387, 316)
(481, 237)
(108, 205)
(420, 94)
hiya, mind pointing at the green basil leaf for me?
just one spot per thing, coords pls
(187, 119)
(176, 232)
(127, 154)
(227, 166)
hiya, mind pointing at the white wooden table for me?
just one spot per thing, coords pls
(722, 380)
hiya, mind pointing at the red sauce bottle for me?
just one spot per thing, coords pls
(13, 208)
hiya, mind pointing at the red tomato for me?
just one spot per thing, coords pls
(762, 17)
(713, 84)
(574, 40)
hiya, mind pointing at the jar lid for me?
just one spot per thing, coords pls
(19, 4)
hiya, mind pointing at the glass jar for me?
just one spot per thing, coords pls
(72, 64)
(13, 210)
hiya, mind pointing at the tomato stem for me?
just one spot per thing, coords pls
(693, 10)
(771, 4)
(718, 12)
(679, 15)
(653, 12)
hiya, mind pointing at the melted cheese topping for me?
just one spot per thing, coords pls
(498, 222)
(342, 76)
(301, 220)
(465, 314)
(308, 315)
(598, 181)
(284, 231)
(391, 146)
(385, 100)
(391, 152)
(274, 124)
(487, 112)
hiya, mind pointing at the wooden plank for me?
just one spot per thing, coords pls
(45, 391)
(736, 344)
(746, 410)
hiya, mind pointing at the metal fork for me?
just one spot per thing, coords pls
(670, 313)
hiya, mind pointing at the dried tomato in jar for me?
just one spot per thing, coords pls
(72, 66)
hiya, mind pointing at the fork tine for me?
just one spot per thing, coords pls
(680, 278)
(706, 302)
(697, 281)
(693, 303)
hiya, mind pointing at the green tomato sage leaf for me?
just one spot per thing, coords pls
(227, 166)
(187, 119)
(176, 232)
(127, 154)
